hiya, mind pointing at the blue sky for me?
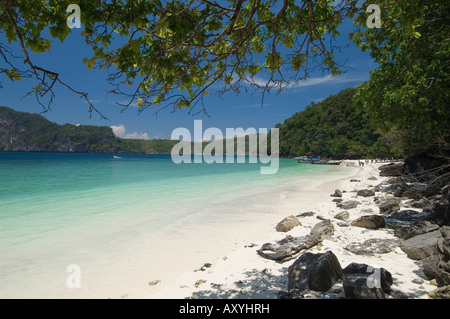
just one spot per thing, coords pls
(243, 110)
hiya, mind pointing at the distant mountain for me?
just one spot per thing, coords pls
(20, 131)
(331, 128)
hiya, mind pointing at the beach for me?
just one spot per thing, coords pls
(243, 273)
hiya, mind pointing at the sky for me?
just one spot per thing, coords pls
(229, 111)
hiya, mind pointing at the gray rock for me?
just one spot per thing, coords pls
(323, 229)
(362, 281)
(337, 193)
(373, 178)
(429, 266)
(317, 272)
(306, 214)
(372, 246)
(348, 204)
(409, 231)
(345, 216)
(294, 294)
(365, 193)
(343, 224)
(389, 206)
(440, 293)
(287, 224)
(287, 248)
(369, 222)
(421, 246)
(392, 169)
(354, 180)
(337, 200)
(443, 266)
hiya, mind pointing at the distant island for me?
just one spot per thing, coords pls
(26, 132)
(331, 128)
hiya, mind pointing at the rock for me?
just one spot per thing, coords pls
(345, 216)
(337, 193)
(365, 193)
(294, 294)
(417, 281)
(287, 224)
(373, 178)
(429, 266)
(323, 229)
(392, 169)
(287, 248)
(362, 281)
(421, 246)
(306, 214)
(317, 272)
(343, 224)
(440, 293)
(443, 266)
(348, 204)
(372, 246)
(369, 222)
(409, 231)
(337, 200)
(441, 214)
(389, 206)
(401, 218)
(354, 180)
(154, 282)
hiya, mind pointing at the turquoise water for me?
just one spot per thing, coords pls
(63, 208)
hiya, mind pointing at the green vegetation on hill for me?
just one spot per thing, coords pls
(332, 128)
(21, 131)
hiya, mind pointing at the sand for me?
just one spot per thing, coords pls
(242, 273)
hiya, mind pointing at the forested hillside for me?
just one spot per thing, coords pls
(332, 128)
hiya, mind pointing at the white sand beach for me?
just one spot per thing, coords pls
(243, 273)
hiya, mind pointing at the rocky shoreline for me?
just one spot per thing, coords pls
(382, 234)
(420, 221)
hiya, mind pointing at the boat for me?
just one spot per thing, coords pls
(315, 160)
(327, 162)
(116, 156)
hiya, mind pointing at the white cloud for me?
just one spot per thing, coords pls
(120, 131)
(327, 79)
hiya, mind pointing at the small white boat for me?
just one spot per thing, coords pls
(116, 156)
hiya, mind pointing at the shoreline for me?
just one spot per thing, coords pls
(244, 274)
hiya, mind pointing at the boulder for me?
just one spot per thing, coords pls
(421, 246)
(323, 229)
(365, 193)
(429, 266)
(369, 222)
(354, 180)
(389, 206)
(409, 231)
(372, 246)
(362, 281)
(348, 204)
(337, 193)
(345, 216)
(287, 224)
(317, 272)
(392, 169)
(287, 248)
(440, 293)
(443, 266)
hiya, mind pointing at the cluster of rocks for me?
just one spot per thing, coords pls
(419, 216)
(321, 276)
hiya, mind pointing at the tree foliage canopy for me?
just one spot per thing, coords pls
(409, 91)
(173, 52)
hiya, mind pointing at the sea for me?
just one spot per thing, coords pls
(82, 225)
